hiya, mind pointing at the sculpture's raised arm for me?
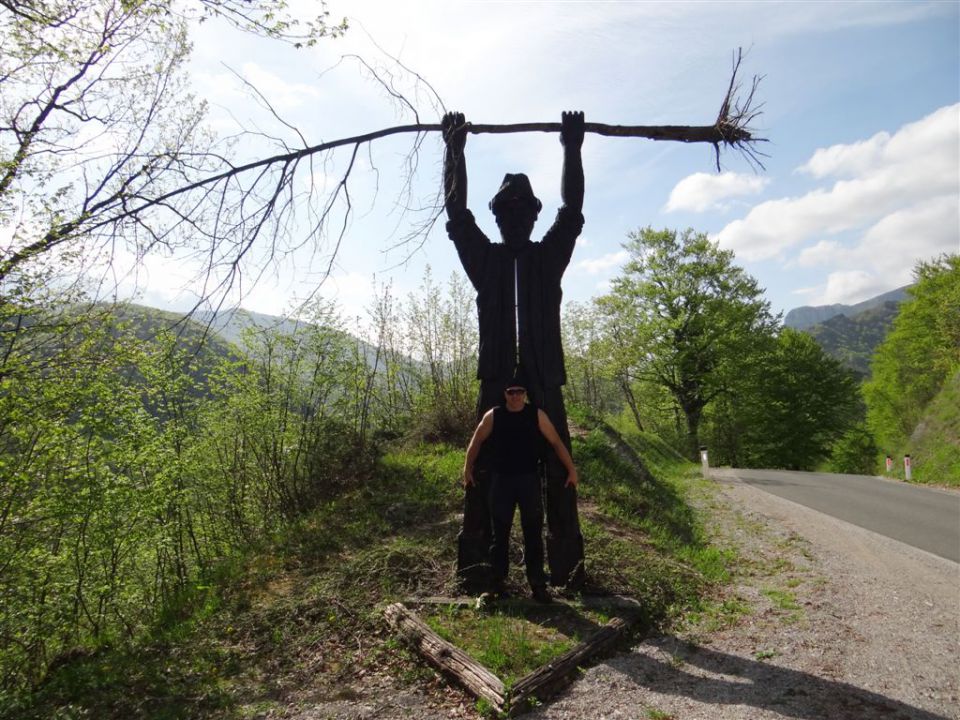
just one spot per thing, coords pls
(571, 137)
(454, 165)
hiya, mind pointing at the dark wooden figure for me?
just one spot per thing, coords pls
(518, 304)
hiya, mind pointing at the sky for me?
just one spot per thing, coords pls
(861, 110)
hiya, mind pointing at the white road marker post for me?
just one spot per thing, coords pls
(704, 461)
(889, 464)
(907, 469)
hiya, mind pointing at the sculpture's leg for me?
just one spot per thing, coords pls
(564, 541)
(473, 542)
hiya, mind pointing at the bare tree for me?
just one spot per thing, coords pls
(103, 148)
(98, 131)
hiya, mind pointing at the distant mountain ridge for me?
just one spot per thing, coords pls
(853, 339)
(807, 316)
(231, 323)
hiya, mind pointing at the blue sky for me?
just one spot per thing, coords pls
(860, 107)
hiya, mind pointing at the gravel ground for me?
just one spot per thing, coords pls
(824, 620)
(844, 624)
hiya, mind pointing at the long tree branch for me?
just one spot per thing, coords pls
(712, 134)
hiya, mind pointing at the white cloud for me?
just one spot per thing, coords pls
(602, 264)
(884, 176)
(706, 191)
(886, 254)
(850, 286)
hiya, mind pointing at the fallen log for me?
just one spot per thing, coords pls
(549, 678)
(446, 657)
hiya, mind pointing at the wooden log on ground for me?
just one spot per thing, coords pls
(446, 657)
(547, 679)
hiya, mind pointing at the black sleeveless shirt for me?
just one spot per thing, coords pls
(516, 441)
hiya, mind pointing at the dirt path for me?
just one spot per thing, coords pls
(824, 620)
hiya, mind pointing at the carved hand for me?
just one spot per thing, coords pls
(455, 131)
(571, 129)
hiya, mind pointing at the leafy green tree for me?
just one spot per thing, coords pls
(593, 380)
(855, 452)
(917, 356)
(686, 318)
(802, 401)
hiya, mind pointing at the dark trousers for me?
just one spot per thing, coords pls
(507, 492)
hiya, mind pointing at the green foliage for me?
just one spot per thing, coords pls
(684, 317)
(125, 482)
(853, 339)
(425, 386)
(920, 353)
(795, 405)
(855, 452)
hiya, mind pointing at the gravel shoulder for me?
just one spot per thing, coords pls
(823, 620)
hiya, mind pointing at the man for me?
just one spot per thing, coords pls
(514, 430)
(518, 305)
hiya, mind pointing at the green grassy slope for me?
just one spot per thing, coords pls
(305, 611)
(934, 446)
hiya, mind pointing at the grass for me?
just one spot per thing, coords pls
(654, 714)
(305, 610)
(510, 641)
(782, 599)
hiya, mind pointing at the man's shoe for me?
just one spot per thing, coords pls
(542, 595)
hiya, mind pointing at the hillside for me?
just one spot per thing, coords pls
(298, 624)
(232, 324)
(934, 446)
(852, 339)
(806, 316)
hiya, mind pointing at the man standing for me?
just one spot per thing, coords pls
(518, 305)
(515, 430)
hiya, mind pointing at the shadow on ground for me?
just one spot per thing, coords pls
(669, 666)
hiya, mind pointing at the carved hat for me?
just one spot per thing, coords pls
(515, 186)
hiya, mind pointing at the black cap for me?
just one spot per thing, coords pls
(519, 379)
(515, 186)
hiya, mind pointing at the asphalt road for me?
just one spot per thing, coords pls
(926, 518)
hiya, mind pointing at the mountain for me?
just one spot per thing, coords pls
(852, 339)
(230, 324)
(806, 316)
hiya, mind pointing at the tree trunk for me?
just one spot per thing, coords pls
(631, 401)
(693, 414)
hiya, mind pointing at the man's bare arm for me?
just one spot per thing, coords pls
(553, 437)
(571, 182)
(454, 165)
(480, 436)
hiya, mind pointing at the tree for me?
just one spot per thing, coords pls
(796, 406)
(918, 355)
(97, 127)
(686, 317)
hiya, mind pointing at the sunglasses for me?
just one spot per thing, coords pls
(515, 391)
